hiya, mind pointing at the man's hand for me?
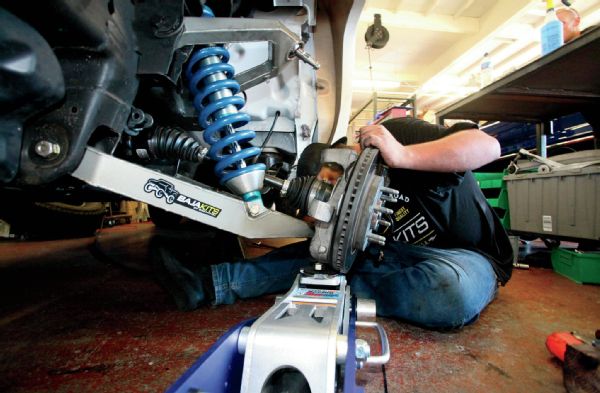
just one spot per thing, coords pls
(378, 136)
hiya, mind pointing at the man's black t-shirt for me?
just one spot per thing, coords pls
(444, 210)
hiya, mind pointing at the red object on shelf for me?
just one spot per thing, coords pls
(557, 343)
(391, 113)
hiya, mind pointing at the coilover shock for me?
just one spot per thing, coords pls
(211, 82)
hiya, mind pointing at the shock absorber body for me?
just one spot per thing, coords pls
(210, 80)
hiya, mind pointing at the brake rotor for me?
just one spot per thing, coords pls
(360, 211)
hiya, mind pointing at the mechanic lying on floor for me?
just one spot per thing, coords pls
(446, 250)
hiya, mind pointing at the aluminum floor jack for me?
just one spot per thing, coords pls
(305, 343)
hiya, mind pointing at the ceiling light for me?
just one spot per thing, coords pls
(376, 84)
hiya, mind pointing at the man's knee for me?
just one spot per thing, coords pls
(459, 297)
(443, 298)
(454, 306)
(445, 306)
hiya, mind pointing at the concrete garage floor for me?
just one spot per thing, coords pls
(72, 320)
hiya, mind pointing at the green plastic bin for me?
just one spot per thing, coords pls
(494, 187)
(581, 267)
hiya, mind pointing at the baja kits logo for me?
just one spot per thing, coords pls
(163, 189)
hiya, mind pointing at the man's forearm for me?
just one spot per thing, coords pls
(458, 152)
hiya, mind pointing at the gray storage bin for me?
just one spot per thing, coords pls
(560, 203)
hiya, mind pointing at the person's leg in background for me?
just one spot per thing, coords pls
(431, 287)
(188, 266)
(271, 273)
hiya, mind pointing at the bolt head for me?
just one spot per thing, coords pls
(363, 350)
(254, 209)
(322, 249)
(47, 149)
(165, 26)
(305, 130)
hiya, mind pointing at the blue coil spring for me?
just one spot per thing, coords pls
(218, 126)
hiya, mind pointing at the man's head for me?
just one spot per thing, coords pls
(330, 172)
(570, 20)
(310, 163)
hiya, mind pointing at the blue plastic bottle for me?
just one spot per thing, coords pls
(552, 31)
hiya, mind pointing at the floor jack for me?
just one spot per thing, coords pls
(306, 342)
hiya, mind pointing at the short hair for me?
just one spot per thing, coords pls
(343, 141)
(309, 162)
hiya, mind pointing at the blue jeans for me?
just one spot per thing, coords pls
(436, 288)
